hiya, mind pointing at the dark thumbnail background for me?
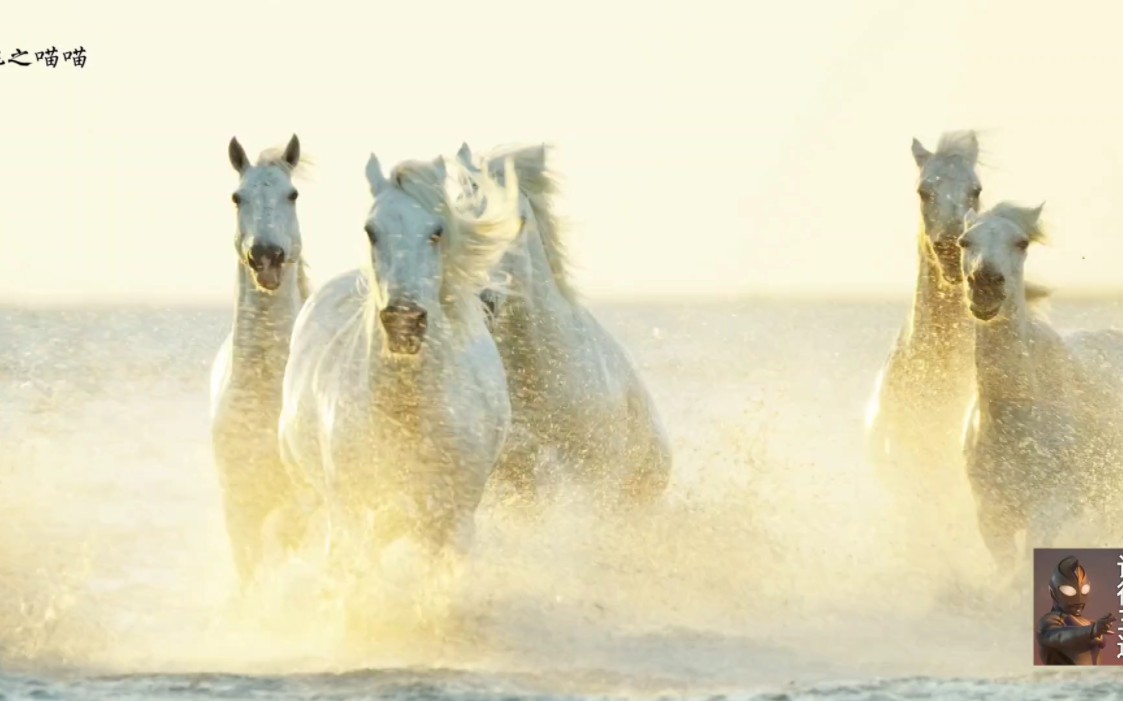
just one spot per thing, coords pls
(1102, 566)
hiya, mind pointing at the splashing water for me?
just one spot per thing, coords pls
(773, 560)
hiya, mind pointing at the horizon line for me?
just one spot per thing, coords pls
(71, 302)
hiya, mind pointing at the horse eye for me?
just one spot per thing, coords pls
(1023, 244)
(964, 243)
(236, 198)
(293, 195)
(975, 192)
(436, 235)
(925, 195)
(371, 233)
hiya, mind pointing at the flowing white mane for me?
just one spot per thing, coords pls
(959, 144)
(480, 225)
(541, 186)
(1025, 218)
(398, 449)
(604, 423)
(1028, 220)
(275, 156)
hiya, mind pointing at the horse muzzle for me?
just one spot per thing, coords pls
(987, 293)
(405, 324)
(266, 264)
(948, 256)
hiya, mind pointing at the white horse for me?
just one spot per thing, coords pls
(396, 404)
(246, 379)
(573, 388)
(1043, 442)
(915, 418)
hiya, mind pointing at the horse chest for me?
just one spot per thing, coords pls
(246, 441)
(257, 369)
(1022, 450)
(925, 394)
(254, 384)
(248, 408)
(408, 420)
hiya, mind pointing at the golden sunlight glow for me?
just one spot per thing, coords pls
(713, 148)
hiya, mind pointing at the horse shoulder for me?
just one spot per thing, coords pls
(899, 363)
(1101, 348)
(909, 363)
(331, 315)
(971, 425)
(328, 308)
(623, 376)
(1056, 363)
(491, 373)
(615, 362)
(1097, 359)
(220, 374)
(475, 379)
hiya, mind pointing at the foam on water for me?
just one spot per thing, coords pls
(773, 562)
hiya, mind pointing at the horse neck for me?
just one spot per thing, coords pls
(1005, 370)
(535, 294)
(939, 318)
(396, 389)
(398, 384)
(263, 325)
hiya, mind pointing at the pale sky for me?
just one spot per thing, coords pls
(708, 148)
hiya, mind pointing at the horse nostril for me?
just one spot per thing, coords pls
(986, 278)
(404, 314)
(261, 255)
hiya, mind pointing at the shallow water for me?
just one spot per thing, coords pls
(772, 570)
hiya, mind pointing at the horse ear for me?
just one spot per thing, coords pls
(970, 218)
(374, 175)
(919, 153)
(1035, 213)
(972, 146)
(237, 156)
(540, 154)
(465, 154)
(292, 152)
(452, 177)
(510, 181)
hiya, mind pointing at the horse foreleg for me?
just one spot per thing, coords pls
(650, 471)
(648, 452)
(997, 527)
(286, 528)
(518, 466)
(244, 521)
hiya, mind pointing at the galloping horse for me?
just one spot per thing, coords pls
(573, 388)
(246, 380)
(395, 399)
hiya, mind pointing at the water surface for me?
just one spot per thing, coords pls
(773, 569)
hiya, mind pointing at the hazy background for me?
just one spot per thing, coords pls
(710, 148)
